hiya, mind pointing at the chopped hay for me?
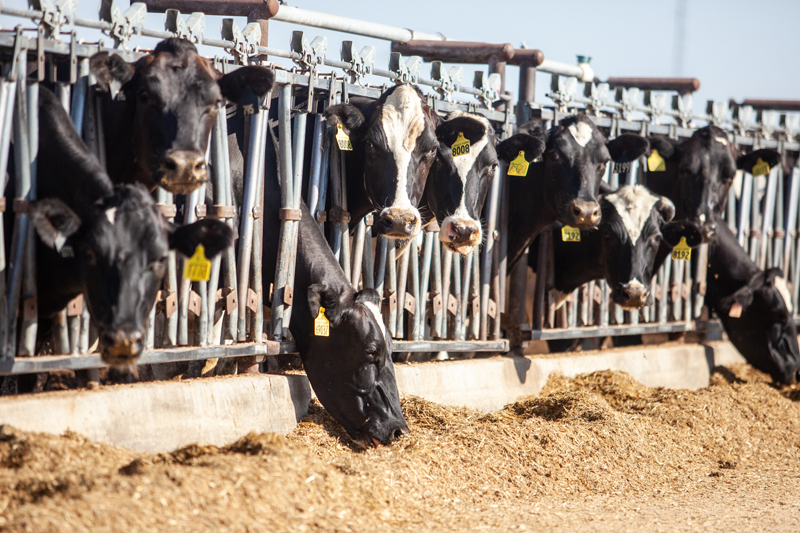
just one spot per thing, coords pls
(591, 438)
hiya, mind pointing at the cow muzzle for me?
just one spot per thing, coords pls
(120, 347)
(398, 223)
(632, 295)
(585, 215)
(460, 236)
(182, 171)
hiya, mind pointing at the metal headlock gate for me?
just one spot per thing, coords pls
(435, 300)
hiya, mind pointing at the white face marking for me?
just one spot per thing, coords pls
(402, 120)
(636, 284)
(377, 314)
(111, 214)
(721, 140)
(633, 204)
(783, 289)
(581, 132)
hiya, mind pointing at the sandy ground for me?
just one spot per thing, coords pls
(600, 452)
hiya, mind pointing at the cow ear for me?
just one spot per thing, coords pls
(748, 161)
(473, 129)
(532, 145)
(213, 234)
(108, 68)
(627, 147)
(349, 116)
(666, 208)
(320, 295)
(743, 297)
(54, 222)
(666, 147)
(672, 232)
(258, 80)
(770, 274)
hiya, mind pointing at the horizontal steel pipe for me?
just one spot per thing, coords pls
(581, 71)
(681, 85)
(229, 8)
(527, 56)
(778, 105)
(455, 51)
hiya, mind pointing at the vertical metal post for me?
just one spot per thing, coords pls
(7, 98)
(461, 296)
(79, 96)
(424, 290)
(475, 320)
(540, 296)
(701, 271)
(402, 284)
(358, 253)
(768, 218)
(391, 264)
(488, 249)
(755, 206)
(664, 276)
(791, 220)
(744, 210)
(368, 265)
(436, 329)
(447, 272)
(415, 330)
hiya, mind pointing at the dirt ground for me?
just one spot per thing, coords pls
(600, 452)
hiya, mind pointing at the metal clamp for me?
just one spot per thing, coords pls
(360, 64)
(191, 29)
(286, 213)
(338, 215)
(718, 111)
(55, 14)
(657, 104)
(770, 120)
(745, 117)
(451, 80)
(629, 98)
(488, 85)
(245, 43)
(597, 94)
(564, 89)
(791, 124)
(311, 54)
(407, 70)
(684, 105)
(125, 26)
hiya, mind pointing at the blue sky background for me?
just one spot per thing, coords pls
(735, 47)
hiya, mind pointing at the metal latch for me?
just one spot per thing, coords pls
(657, 103)
(451, 80)
(597, 94)
(125, 26)
(684, 105)
(718, 111)
(245, 43)
(311, 54)
(488, 85)
(55, 14)
(191, 29)
(360, 64)
(407, 70)
(629, 98)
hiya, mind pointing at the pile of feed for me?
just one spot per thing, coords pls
(599, 451)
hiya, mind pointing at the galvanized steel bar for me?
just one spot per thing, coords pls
(487, 254)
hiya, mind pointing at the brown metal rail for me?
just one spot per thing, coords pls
(681, 85)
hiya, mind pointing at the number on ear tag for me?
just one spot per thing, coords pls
(322, 326)
(461, 146)
(570, 234)
(656, 163)
(761, 168)
(343, 140)
(682, 251)
(518, 167)
(198, 267)
(621, 168)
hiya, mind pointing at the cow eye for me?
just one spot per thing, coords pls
(369, 145)
(554, 156)
(91, 258)
(371, 350)
(432, 152)
(143, 96)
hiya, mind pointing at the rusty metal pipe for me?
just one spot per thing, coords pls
(529, 57)
(455, 51)
(681, 85)
(230, 8)
(778, 105)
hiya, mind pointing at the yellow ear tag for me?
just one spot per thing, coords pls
(461, 146)
(682, 251)
(322, 326)
(761, 168)
(198, 267)
(570, 234)
(343, 140)
(656, 163)
(518, 167)
(736, 310)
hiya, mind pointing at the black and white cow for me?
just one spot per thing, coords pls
(457, 186)
(109, 244)
(698, 173)
(564, 186)
(755, 308)
(158, 125)
(394, 146)
(622, 250)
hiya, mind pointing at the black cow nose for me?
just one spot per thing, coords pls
(585, 214)
(464, 232)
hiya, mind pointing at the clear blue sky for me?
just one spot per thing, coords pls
(736, 48)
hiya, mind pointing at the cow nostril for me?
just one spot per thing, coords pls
(171, 165)
(596, 211)
(577, 211)
(200, 166)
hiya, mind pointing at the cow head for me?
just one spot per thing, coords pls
(574, 162)
(698, 173)
(634, 224)
(351, 368)
(397, 144)
(121, 249)
(760, 325)
(172, 97)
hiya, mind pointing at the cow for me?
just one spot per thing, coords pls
(564, 186)
(622, 250)
(457, 186)
(698, 172)
(394, 145)
(754, 306)
(109, 244)
(157, 125)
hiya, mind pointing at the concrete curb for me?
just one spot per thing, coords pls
(163, 416)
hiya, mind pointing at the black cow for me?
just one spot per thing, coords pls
(622, 250)
(698, 173)
(563, 187)
(109, 244)
(457, 186)
(394, 145)
(157, 126)
(755, 308)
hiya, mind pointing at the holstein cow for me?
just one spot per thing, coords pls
(351, 369)
(564, 186)
(622, 250)
(394, 146)
(697, 173)
(157, 126)
(457, 186)
(109, 244)
(755, 308)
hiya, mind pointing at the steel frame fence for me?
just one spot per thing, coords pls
(434, 300)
